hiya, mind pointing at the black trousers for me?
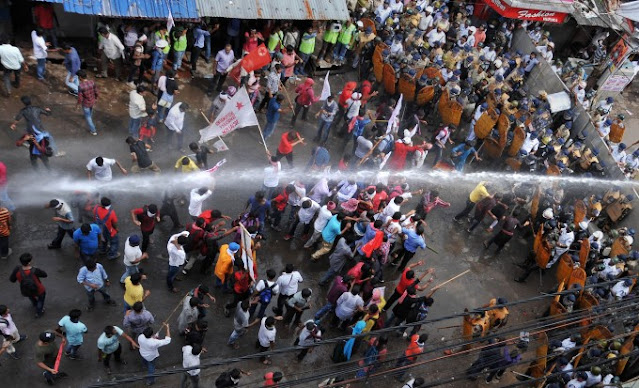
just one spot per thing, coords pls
(57, 241)
(33, 158)
(107, 357)
(405, 257)
(469, 207)
(393, 298)
(289, 158)
(267, 97)
(195, 55)
(217, 82)
(146, 238)
(296, 112)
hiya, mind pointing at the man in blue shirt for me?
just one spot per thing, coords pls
(259, 206)
(199, 35)
(72, 63)
(157, 59)
(273, 111)
(87, 239)
(460, 153)
(73, 331)
(94, 278)
(329, 233)
(413, 239)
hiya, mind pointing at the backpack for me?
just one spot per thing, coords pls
(28, 286)
(101, 222)
(267, 293)
(338, 352)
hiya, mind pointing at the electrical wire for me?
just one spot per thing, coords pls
(577, 317)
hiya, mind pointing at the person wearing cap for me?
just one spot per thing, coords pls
(604, 129)
(605, 105)
(64, 218)
(133, 256)
(46, 352)
(224, 265)
(112, 50)
(619, 154)
(621, 288)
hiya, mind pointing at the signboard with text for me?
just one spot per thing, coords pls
(535, 15)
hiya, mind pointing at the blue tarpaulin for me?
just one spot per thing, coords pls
(151, 9)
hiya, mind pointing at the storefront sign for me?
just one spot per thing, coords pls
(526, 14)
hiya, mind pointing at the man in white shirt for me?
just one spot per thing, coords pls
(266, 337)
(348, 304)
(288, 283)
(39, 52)
(436, 36)
(177, 257)
(10, 332)
(175, 123)
(304, 216)
(12, 61)
(100, 168)
(271, 177)
(325, 214)
(132, 256)
(190, 359)
(112, 50)
(531, 143)
(149, 345)
(198, 196)
(137, 110)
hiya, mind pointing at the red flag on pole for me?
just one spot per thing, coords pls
(59, 357)
(256, 59)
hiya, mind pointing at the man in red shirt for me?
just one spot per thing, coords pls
(107, 220)
(414, 349)
(279, 204)
(145, 217)
(408, 279)
(45, 18)
(289, 140)
(35, 294)
(272, 378)
(241, 285)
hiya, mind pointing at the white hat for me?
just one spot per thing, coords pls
(224, 96)
(551, 44)
(142, 38)
(161, 43)
(356, 96)
(598, 235)
(429, 9)
(497, 63)
(548, 214)
(629, 239)
(360, 23)
(583, 225)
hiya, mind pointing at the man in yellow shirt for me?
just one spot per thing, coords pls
(479, 192)
(186, 164)
(133, 290)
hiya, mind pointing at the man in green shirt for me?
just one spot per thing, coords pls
(306, 49)
(329, 38)
(275, 40)
(344, 40)
(46, 352)
(179, 46)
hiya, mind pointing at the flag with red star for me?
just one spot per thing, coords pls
(237, 113)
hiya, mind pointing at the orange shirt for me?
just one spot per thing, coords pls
(224, 265)
(413, 350)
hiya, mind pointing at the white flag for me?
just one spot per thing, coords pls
(326, 89)
(395, 114)
(237, 113)
(247, 254)
(170, 23)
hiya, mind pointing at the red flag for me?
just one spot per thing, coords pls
(374, 244)
(56, 365)
(236, 72)
(256, 59)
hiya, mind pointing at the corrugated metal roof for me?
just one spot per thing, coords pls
(274, 9)
(152, 9)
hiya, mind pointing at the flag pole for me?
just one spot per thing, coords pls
(259, 128)
(290, 103)
(209, 122)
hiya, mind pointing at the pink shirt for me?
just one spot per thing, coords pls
(288, 60)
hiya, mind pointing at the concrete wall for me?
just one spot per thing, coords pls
(544, 78)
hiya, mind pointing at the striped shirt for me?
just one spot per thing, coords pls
(87, 94)
(4, 222)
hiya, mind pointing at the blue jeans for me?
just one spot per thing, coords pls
(207, 47)
(5, 200)
(72, 81)
(102, 290)
(178, 59)
(170, 277)
(88, 113)
(328, 276)
(40, 68)
(323, 130)
(38, 302)
(130, 270)
(113, 243)
(328, 307)
(134, 127)
(299, 68)
(235, 335)
(71, 350)
(269, 128)
(150, 369)
(339, 52)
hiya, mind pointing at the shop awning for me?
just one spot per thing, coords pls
(149, 9)
(529, 14)
(275, 9)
